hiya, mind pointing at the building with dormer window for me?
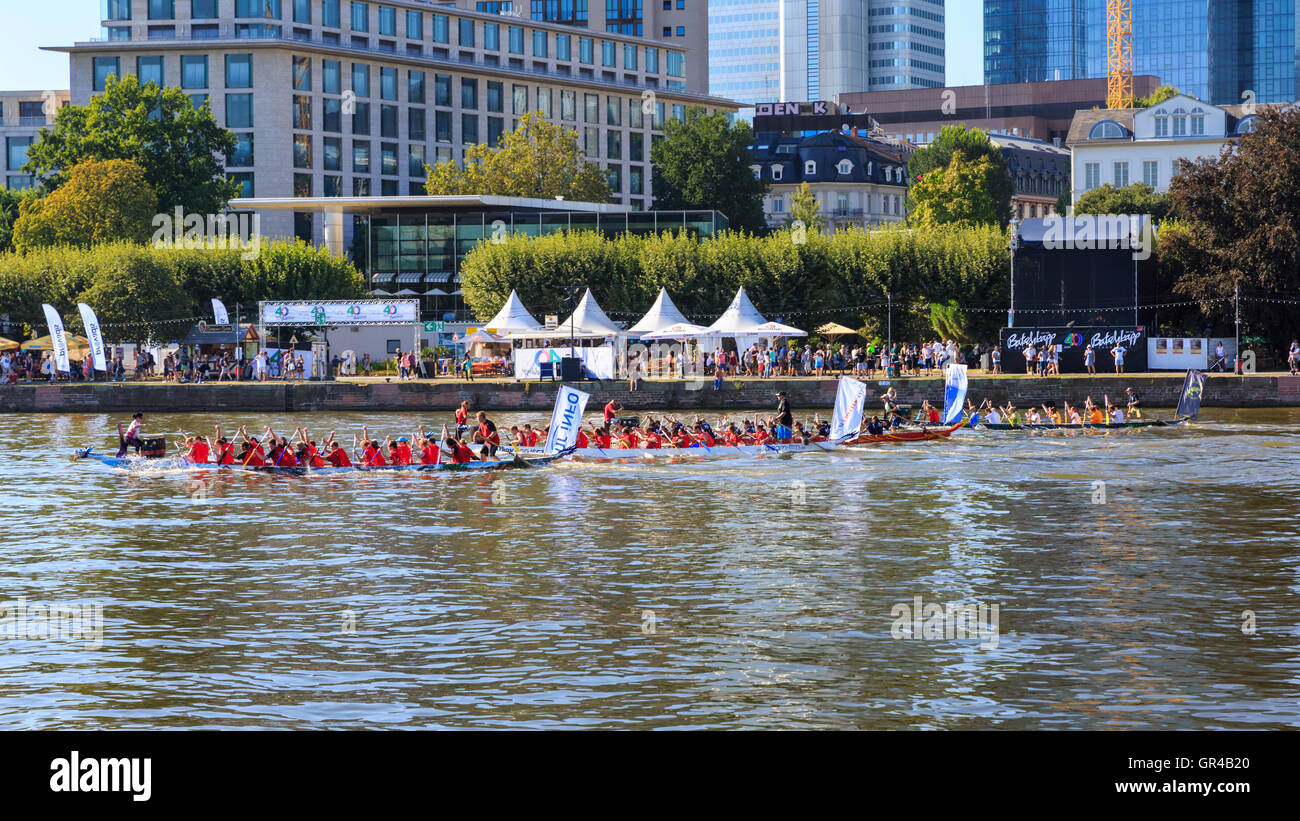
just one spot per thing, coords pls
(1124, 146)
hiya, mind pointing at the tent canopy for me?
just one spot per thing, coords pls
(680, 330)
(741, 317)
(777, 329)
(513, 316)
(8, 344)
(587, 320)
(661, 315)
(78, 346)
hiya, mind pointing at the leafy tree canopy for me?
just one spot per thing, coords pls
(101, 201)
(973, 144)
(704, 163)
(805, 208)
(1135, 198)
(956, 195)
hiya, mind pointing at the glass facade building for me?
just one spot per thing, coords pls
(1215, 50)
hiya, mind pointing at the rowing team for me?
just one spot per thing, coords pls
(1089, 414)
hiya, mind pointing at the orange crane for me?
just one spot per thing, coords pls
(1119, 53)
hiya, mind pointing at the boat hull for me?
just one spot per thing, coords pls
(1155, 423)
(173, 464)
(924, 435)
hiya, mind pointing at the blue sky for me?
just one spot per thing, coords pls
(61, 22)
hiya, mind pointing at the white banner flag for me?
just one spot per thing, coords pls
(850, 403)
(954, 394)
(57, 338)
(219, 314)
(566, 419)
(96, 338)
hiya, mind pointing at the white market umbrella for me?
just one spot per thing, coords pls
(681, 330)
(380, 292)
(482, 336)
(661, 315)
(776, 329)
(406, 292)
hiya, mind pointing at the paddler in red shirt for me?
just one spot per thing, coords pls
(488, 430)
(225, 450)
(252, 454)
(459, 451)
(732, 436)
(583, 441)
(196, 450)
(602, 437)
(652, 439)
(462, 415)
(611, 410)
(531, 436)
(335, 455)
(628, 438)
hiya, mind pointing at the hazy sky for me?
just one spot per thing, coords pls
(29, 25)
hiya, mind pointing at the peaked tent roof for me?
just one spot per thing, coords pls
(661, 315)
(588, 319)
(513, 316)
(741, 317)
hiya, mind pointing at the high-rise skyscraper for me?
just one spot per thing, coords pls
(794, 50)
(1215, 50)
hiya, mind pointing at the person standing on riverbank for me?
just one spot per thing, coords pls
(1090, 360)
(1118, 353)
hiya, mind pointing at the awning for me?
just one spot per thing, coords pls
(438, 277)
(383, 276)
(406, 278)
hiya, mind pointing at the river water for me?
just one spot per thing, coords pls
(762, 593)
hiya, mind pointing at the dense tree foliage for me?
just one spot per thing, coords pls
(1135, 198)
(972, 144)
(843, 277)
(181, 148)
(805, 208)
(957, 195)
(537, 159)
(704, 163)
(101, 201)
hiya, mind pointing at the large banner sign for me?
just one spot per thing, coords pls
(850, 402)
(1073, 342)
(361, 312)
(93, 334)
(566, 419)
(599, 362)
(57, 338)
(954, 393)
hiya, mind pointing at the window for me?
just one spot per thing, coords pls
(360, 17)
(162, 9)
(635, 116)
(333, 185)
(387, 21)
(676, 64)
(844, 167)
(360, 157)
(415, 161)
(466, 31)
(516, 35)
(360, 187)
(494, 127)
(332, 115)
(16, 149)
(442, 126)
(568, 105)
(442, 89)
(614, 175)
(361, 118)
(539, 43)
(563, 47)
(269, 9)
(777, 172)
(415, 25)
(207, 9)
(149, 70)
(544, 102)
(614, 144)
(244, 181)
(492, 36)
(613, 111)
(679, 113)
(388, 158)
(681, 31)
(302, 151)
(519, 103)
(302, 112)
(586, 50)
(636, 147)
(361, 79)
(810, 168)
(440, 28)
(636, 181)
(415, 122)
(302, 11)
(1121, 174)
(415, 87)
(468, 93)
(1198, 125)
(1246, 125)
(1162, 126)
(239, 111)
(1180, 126)
(117, 10)
(1151, 173)
(1106, 130)
(198, 101)
(332, 154)
(388, 84)
(1091, 175)
(652, 61)
(331, 77)
(607, 53)
(494, 96)
(301, 73)
(469, 128)
(329, 13)
(388, 121)
(194, 71)
(629, 56)
(778, 205)
(591, 142)
(591, 108)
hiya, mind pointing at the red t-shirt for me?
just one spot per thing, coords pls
(583, 441)
(339, 458)
(934, 415)
(463, 454)
(227, 454)
(610, 413)
(374, 458)
(429, 454)
(490, 435)
(403, 453)
(199, 453)
(461, 416)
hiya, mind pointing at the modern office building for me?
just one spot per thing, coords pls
(1214, 50)
(683, 23)
(334, 98)
(1122, 146)
(1040, 111)
(22, 115)
(857, 180)
(797, 50)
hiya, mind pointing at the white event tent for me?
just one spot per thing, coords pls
(513, 316)
(746, 325)
(587, 322)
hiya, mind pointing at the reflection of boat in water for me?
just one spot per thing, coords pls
(1153, 423)
(136, 464)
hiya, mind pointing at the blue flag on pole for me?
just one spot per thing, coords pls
(954, 393)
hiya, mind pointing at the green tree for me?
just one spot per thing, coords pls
(973, 144)
(1135, 198)
(958, 195)
(805, 208)
(704, 163)
(101, 201)
(1063, 201)
(537, 159)
(180, 147)
(1156, 97)
(10, 200)
(134, 288)
(1239, 222)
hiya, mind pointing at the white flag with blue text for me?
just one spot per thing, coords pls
(219, 312)
(954, 394)
(93, 334)
(566, 419)
(850, 403)
(57, 338)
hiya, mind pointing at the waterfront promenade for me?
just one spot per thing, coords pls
(1158, 390)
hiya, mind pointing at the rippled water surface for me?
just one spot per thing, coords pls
(756, 593)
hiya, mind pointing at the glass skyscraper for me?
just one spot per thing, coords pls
(1215, 50)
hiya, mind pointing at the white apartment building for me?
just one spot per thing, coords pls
(353, 97)
(1123, 146)
(22, 115)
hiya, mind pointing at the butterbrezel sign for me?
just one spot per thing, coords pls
(341, 312)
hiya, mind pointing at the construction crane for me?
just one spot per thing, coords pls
(1119, 53)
